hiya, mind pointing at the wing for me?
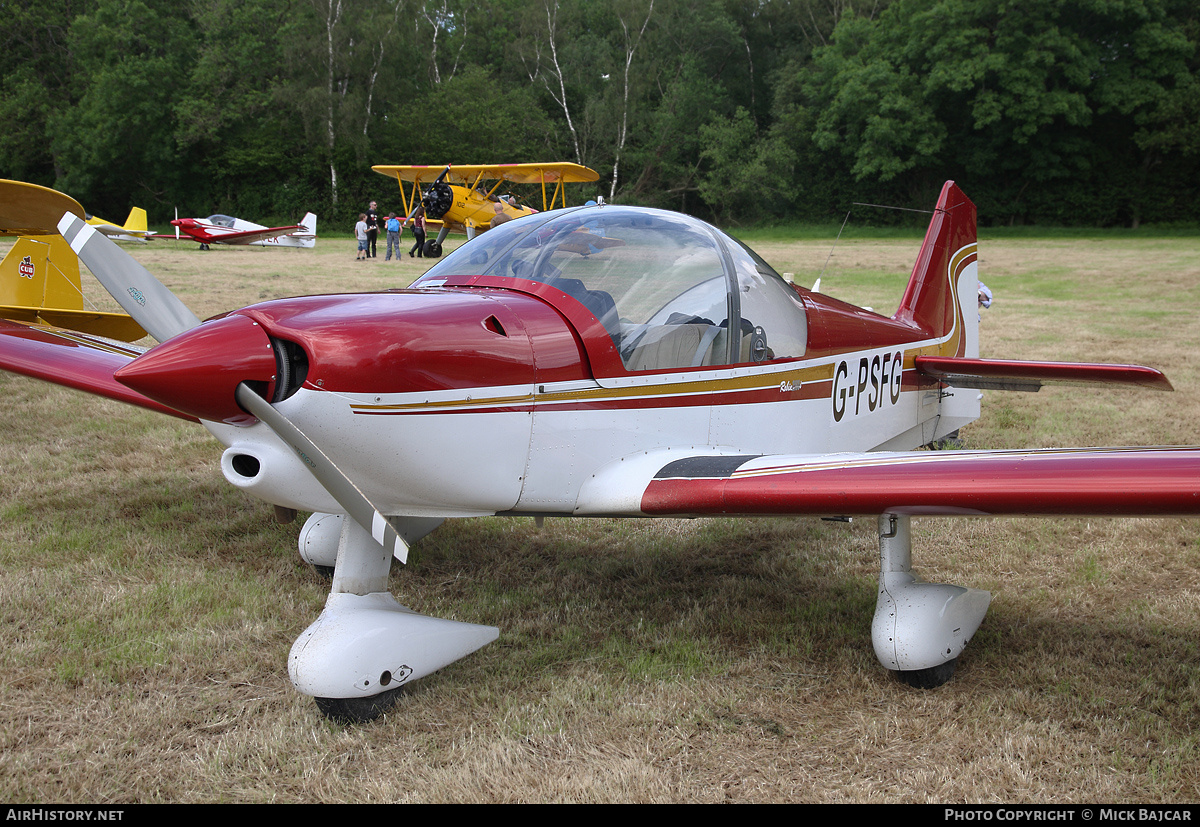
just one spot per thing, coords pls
(1007, 374)
(248, 236)
(27, 209)
(64, 357)
(467, 174)
(1064, 482)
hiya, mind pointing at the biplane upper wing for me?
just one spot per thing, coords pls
(1064, 482)
(467, 174)
(27, 209)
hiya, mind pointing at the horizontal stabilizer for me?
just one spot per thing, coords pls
(1012, 375)
(117, 326)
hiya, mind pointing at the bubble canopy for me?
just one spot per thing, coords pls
(666, 287)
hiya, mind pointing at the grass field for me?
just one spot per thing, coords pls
(149, 607)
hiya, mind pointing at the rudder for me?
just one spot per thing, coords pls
(941, 295)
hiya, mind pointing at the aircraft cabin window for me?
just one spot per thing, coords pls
(773, 316)
(664, 285)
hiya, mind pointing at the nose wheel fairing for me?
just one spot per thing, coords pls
(365, 643)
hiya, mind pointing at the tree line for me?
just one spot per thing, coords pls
(1065, 112)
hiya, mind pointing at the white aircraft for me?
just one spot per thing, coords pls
(600, 361)
(225, 229)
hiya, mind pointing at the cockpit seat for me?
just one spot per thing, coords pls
(670, 346)
(599, 303)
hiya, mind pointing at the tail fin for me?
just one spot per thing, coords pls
(942, 293)
(39, 283)
(136, 222)
(41, 271)
(308, 236)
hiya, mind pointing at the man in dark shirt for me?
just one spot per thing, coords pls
(373, 223)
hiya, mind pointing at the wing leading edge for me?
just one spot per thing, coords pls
(72, 359)
(1063, 482)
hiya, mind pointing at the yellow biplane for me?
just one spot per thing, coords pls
(458, 198)
(39, 278)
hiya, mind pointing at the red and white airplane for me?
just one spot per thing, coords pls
(225, 229)
(610, 361)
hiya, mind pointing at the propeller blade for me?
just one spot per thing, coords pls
(421, 201)
(339, 486)
(140, 294)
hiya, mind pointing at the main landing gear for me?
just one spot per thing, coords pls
(365, 649)
(919, 628)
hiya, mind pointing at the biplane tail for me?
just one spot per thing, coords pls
(39, 284)
(943, 290)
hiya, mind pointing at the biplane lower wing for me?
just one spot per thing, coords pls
(74, 360)
(1051, 482)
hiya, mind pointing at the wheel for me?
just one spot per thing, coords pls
(432, 249)
(324, 572)
(930, 678)
(359, 710)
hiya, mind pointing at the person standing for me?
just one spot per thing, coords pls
(418, 225)
(393, 236)
(360, 234)
(372, 229)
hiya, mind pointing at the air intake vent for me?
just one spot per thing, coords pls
(291, 368)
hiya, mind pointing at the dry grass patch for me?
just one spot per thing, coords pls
(149, 607)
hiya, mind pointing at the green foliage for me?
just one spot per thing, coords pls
(130, 58)
(1052, 97)
(480, 121)
(747, 176)
(1067, 112)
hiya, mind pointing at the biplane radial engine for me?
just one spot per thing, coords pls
(601, 360)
